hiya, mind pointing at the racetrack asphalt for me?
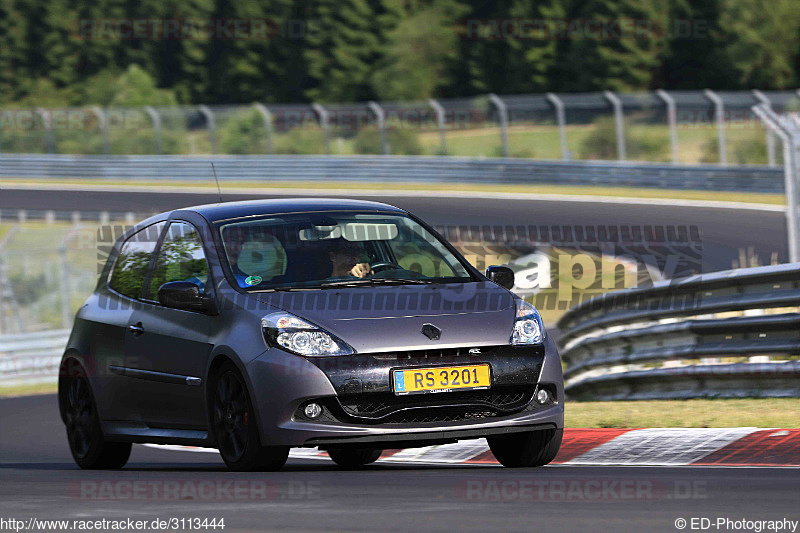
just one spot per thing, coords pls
(725, 233)
(38, 479)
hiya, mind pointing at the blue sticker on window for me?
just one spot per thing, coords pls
(399, 382)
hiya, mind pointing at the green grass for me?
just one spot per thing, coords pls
(4, 228)
(11, 391)
(543, 142)
(699, 413)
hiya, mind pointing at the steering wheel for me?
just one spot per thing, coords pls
(384, 265)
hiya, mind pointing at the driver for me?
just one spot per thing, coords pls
(235, 238)
(346, 259)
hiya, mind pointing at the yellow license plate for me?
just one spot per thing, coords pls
(441, 379)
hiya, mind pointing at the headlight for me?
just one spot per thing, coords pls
(300, 337)
(528, 326)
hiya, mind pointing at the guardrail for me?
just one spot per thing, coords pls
(506, 121)
(636, 343)
(29, 358)
(397, 168)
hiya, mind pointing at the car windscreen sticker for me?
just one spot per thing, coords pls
(253, 280)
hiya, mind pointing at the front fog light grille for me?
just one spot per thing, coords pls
(377, 405)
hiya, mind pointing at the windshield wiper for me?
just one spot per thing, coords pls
(373, 282)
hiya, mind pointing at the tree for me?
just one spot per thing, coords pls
(511, 59)
(419, 52)
(757, 43)
(622, 51)
(137, 88)
(341, 49)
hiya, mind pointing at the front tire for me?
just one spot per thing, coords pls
(85, 436)
(354, 457)
(235, 429)
(532, 448)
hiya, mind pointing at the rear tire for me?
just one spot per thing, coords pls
(84, 433)
(532, 448)
(234, 427)
(354, 457)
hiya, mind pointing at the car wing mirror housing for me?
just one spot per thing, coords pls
(502, 275)
(186, 296)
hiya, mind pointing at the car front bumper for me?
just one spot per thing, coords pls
(281, 383)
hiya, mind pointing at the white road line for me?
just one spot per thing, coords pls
(405, 193)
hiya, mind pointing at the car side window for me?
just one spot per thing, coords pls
(130, 267)
(180, 258)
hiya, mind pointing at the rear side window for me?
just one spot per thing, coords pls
(130, 268)
(180, 258)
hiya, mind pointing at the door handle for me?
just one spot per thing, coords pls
(137, 329)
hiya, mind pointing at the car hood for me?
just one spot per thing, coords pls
(381, 319)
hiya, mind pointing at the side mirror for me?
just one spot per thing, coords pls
(501, 275)
(185, 295)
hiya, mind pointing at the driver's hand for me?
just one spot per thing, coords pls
(361, 270)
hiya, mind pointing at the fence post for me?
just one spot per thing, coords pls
(439, 110)
(212, 140)
(619, 121)
(156, 119)
(381, 116)
(267, 116)
(102, 119)
(672, 120)
(323, 116)
(47, 122)
(62, 255)
(561, 118)
(719, 112)
(791, 167)
(761, 97)
(502, 111)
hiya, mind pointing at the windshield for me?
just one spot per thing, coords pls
(334, 248)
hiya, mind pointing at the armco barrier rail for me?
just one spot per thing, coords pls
(29, 358)
(635, 343)
(397, 168)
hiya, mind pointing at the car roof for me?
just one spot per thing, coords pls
(230, 210)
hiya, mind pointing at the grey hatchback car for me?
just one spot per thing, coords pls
(352, 326)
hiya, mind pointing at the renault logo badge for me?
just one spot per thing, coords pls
(431, 331)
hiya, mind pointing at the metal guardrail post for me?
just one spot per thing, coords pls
(381, 116)
(48, 129)
(439, 110)
(103, 122)
(761, 97)
(672, 120)
(791, 144)
(502, 112)
(267, 116)
(719, 113)
(323, 116)
(156, 119)
(619, 121)
(561, 119)
(212, 140)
